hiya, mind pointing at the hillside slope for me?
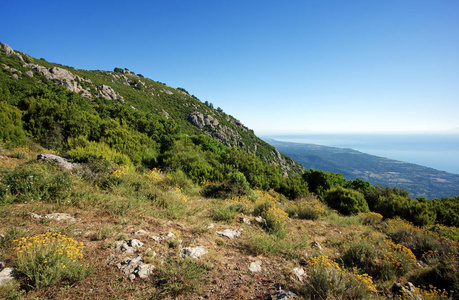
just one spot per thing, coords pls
(420, 181)
(128, 93)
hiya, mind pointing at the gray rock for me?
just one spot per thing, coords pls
(35, 216)
(316, 245)
(407, 291)
(2, 265)
(108, 93)
(283, 295)
(255, 266)
(29, 73)
(60, 161)
(299, 273)
(8, 49)
(259, 219)
(230, 233)
(193, 252)
(144, 270)
(246, 221)
(6, 276)
(60, 217)
(141, 232)
(129, 264)
(210, 226)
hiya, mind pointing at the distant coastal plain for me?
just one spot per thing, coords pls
(425, 165)
(434, 150)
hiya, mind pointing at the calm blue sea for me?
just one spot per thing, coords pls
(438, 151)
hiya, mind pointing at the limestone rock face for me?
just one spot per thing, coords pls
(7, 49)
(62, 162)
(108, 93)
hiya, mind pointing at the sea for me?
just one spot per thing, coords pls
(435, 150)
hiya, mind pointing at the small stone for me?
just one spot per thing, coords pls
(283, 295)
(141, 232)
(144, 270)
(230, 233)
(193, 252)
(35, 216)
(299, 273)
(255, 266)
(246, 221)
(135, 243)
(2, 236)
(210, 226)
(316, 245)
(259, 219)
(6, 276)
(60, 217)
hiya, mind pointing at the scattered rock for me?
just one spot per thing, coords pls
(144, 270)
(163, 237)
(129, 247)
(299, 273)
(141, 232)
(62, 162)
(316, 245)
(60, 217)
(6, 276)
(283, 295)
(259, 219)
(2, 265)
(407, 291)
(193, 252)
(246, 221)
(35, 216)
(255, 266)
(230, 233)
(210, 226)
(29, 73)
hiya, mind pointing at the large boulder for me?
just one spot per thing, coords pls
(60, 161)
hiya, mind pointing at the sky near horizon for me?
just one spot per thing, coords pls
(279, 66)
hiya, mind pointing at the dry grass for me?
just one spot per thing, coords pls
(127, 203)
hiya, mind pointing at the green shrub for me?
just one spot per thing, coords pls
(224, 212)
(178, 276)
(346, 201)
(35, 182)
(95, 151)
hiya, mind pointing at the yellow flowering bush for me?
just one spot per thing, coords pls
(327, 280)
(308, 209)
(370, 218)
(155, 175)
(378, 256)
(48, 258)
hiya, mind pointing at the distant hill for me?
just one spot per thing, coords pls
(420, 181)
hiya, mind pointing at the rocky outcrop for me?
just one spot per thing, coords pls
(9, 51)
(62, 77)
(60, 161)
(212, 127)
(108, 93)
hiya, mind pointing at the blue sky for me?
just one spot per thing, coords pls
(278, 66)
